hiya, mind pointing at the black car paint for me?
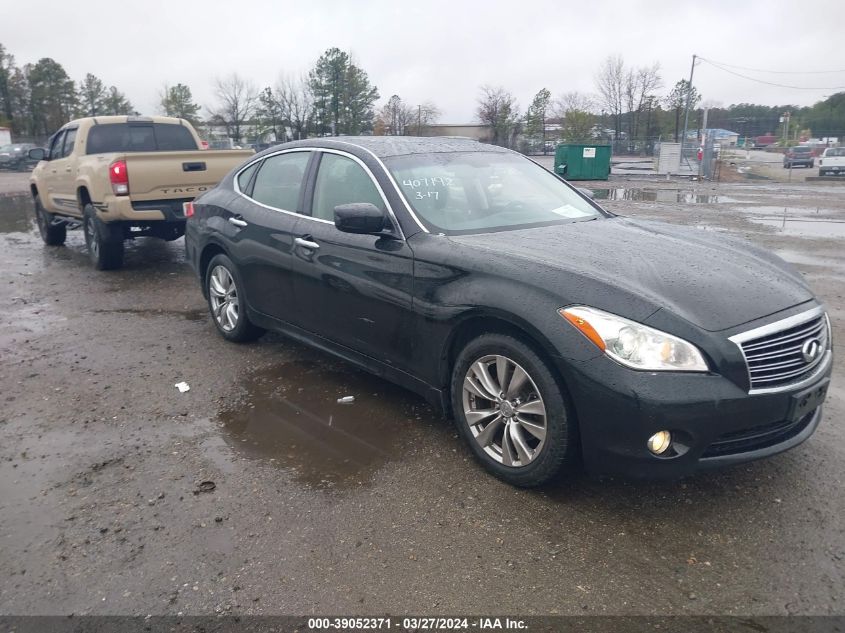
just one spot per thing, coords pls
(398, 307)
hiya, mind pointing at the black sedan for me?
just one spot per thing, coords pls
(548, 328)
(16, 156)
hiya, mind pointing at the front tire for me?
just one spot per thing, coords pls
(52, 234)
(512, 412)
(226, 302)
(104, 241)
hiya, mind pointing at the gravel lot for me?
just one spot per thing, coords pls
(103, 509)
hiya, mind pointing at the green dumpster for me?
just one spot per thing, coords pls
(582, 162)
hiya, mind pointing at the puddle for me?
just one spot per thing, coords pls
(708, 227)
(806, 259)
(291, 417)
(816, 213)
(804, 227)
(16, 214)
(660, 195)
(190, 315)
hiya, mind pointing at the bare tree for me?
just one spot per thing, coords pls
(640, 85)
(296, 103)
(610, 83)
(497, 108)
(424, 115)
(396, 116)
(575, 111)
(237, 99)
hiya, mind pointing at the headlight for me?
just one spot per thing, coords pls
(633, 344)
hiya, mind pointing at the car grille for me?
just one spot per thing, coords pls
(777, 359)
(757, 437)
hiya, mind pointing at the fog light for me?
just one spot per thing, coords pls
(659, 442)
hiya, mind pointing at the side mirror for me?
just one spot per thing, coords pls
(359, 217)
(38, 153)
(586, 192)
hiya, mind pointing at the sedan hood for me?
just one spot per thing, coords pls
(709, 279)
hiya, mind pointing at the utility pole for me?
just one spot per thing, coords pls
(419, 120)
(686, 107)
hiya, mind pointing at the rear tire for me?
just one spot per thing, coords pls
(519, 424)
(52, 234)
(104, 240)
(226, 301)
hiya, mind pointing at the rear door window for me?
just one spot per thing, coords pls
(245, 176)
(278, 183)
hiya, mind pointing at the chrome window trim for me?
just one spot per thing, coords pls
(784, 324)
(393, 182)
(236, 187)
(387, 206)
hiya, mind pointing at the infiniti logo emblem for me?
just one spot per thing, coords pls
(810, 350)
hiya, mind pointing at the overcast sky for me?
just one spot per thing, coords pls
(437, 50)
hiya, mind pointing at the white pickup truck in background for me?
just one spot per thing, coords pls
(832, 162)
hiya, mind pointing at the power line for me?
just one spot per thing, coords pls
(777, 72)
(770, 83)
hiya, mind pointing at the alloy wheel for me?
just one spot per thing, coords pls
(223, 295)
(504, 410)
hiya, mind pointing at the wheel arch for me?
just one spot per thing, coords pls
(83, 197)
(478, 323)
(33, 189)
(211, 249)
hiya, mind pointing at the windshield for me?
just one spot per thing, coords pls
(801, 150)
(477, 192)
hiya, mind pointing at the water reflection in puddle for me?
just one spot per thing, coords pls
(804, 227)
(16, 215)
(807, 259)
(198, 314)
(660, 195)
(815, 213)
(291, 416)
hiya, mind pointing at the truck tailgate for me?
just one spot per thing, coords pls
(168, 175)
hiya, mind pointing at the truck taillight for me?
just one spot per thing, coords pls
(188, 208)
(119, 178)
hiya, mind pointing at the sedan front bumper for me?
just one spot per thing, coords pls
(714, 423)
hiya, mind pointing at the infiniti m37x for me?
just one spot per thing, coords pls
(550, 329)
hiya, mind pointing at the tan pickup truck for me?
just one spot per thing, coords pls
(122, 177)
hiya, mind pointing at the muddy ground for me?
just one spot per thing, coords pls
(374, 507)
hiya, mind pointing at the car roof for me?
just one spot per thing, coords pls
(386, 146)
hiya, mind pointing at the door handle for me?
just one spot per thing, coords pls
(67, 169)
(301, 241)
(237, 222)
